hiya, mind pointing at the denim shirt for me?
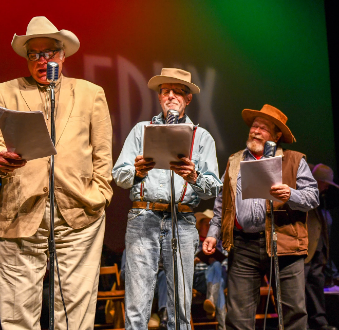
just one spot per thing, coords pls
(157, 183)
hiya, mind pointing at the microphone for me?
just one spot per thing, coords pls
(172, 117)
(52, 72)
(270, 149)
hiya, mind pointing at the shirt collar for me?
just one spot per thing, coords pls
(248, 153)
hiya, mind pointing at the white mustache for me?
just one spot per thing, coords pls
(256, 136)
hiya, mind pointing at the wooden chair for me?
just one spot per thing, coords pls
(262, 303)
(115, 300)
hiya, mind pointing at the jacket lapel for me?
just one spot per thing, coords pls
(65, 106)
(30, 94)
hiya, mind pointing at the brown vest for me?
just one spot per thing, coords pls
(290, 225)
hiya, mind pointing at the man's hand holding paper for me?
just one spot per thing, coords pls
(10, 161)
(185, 168)
(143, 165)
(281, 192)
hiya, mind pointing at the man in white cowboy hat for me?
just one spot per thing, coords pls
(244, 225)
(82, 188)
(149, 229)
(318, 221)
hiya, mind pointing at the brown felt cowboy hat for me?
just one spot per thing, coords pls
(272, 114)
(324, 173)
(173, 76)
(41, 27)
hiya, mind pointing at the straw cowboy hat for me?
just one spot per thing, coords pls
(324, 173)
(272, 114)
(203, 215)
(173, 76)
(41, 27)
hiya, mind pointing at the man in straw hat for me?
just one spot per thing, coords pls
(318, 221)
(149, 230)
(82, 188)
(244, 225)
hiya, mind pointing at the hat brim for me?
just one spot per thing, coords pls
(332, 183)
(69, 39)
(155, 81)
(249, 115)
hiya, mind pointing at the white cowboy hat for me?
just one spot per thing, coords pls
(41, 27)
(173, 76)
(207, 214)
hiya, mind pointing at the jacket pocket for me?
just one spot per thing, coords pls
(10, 197)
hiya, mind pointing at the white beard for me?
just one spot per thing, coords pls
(255, 146)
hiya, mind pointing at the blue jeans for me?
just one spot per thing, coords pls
(148, 235)
(162, 289)
(215, 274)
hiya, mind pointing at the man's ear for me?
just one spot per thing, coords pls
(188, 99)
(278, 136)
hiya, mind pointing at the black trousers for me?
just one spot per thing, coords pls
(315, 298)
(248, 263)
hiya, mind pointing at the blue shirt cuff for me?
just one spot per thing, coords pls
(214, 231)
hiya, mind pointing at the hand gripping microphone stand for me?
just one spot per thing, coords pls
(52, 76)
(269, 151)
(172, 118)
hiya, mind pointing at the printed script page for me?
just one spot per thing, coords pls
(164, 143)
(258, 176)
(26, 133)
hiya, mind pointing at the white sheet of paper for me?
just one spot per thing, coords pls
(164, 143)
(26, 133)
(257, 177)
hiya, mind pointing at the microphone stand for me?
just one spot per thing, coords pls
(172, 118)
(174, 253)
(276, 269)
(269, 151)
(51, 242)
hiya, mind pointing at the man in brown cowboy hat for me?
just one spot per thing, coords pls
(149, 230)
(244, 225)
(82, 188)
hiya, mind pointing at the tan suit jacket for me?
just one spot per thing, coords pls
(83, 163)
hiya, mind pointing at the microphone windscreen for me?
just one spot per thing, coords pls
(269, 149)
(172, 117)
(52, 71)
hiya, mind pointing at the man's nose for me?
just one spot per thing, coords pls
(42, 59)
(171, 94)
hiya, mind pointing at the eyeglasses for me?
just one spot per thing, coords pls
(176, 91)
(48, 54)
